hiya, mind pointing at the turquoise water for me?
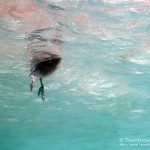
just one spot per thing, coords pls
(99, 97)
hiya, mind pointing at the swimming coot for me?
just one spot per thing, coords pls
(40, 69)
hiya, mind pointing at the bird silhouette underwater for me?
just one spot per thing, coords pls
(42, 69)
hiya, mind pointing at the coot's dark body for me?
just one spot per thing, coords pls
(45, 67)
(48, 66)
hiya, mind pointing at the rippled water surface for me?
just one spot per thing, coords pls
(99, 95)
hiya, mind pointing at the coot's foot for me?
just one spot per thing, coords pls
(41, 90)
(32, 84)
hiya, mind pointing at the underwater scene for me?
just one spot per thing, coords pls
(74, 74)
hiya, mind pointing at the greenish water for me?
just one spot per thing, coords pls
(98, 99)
